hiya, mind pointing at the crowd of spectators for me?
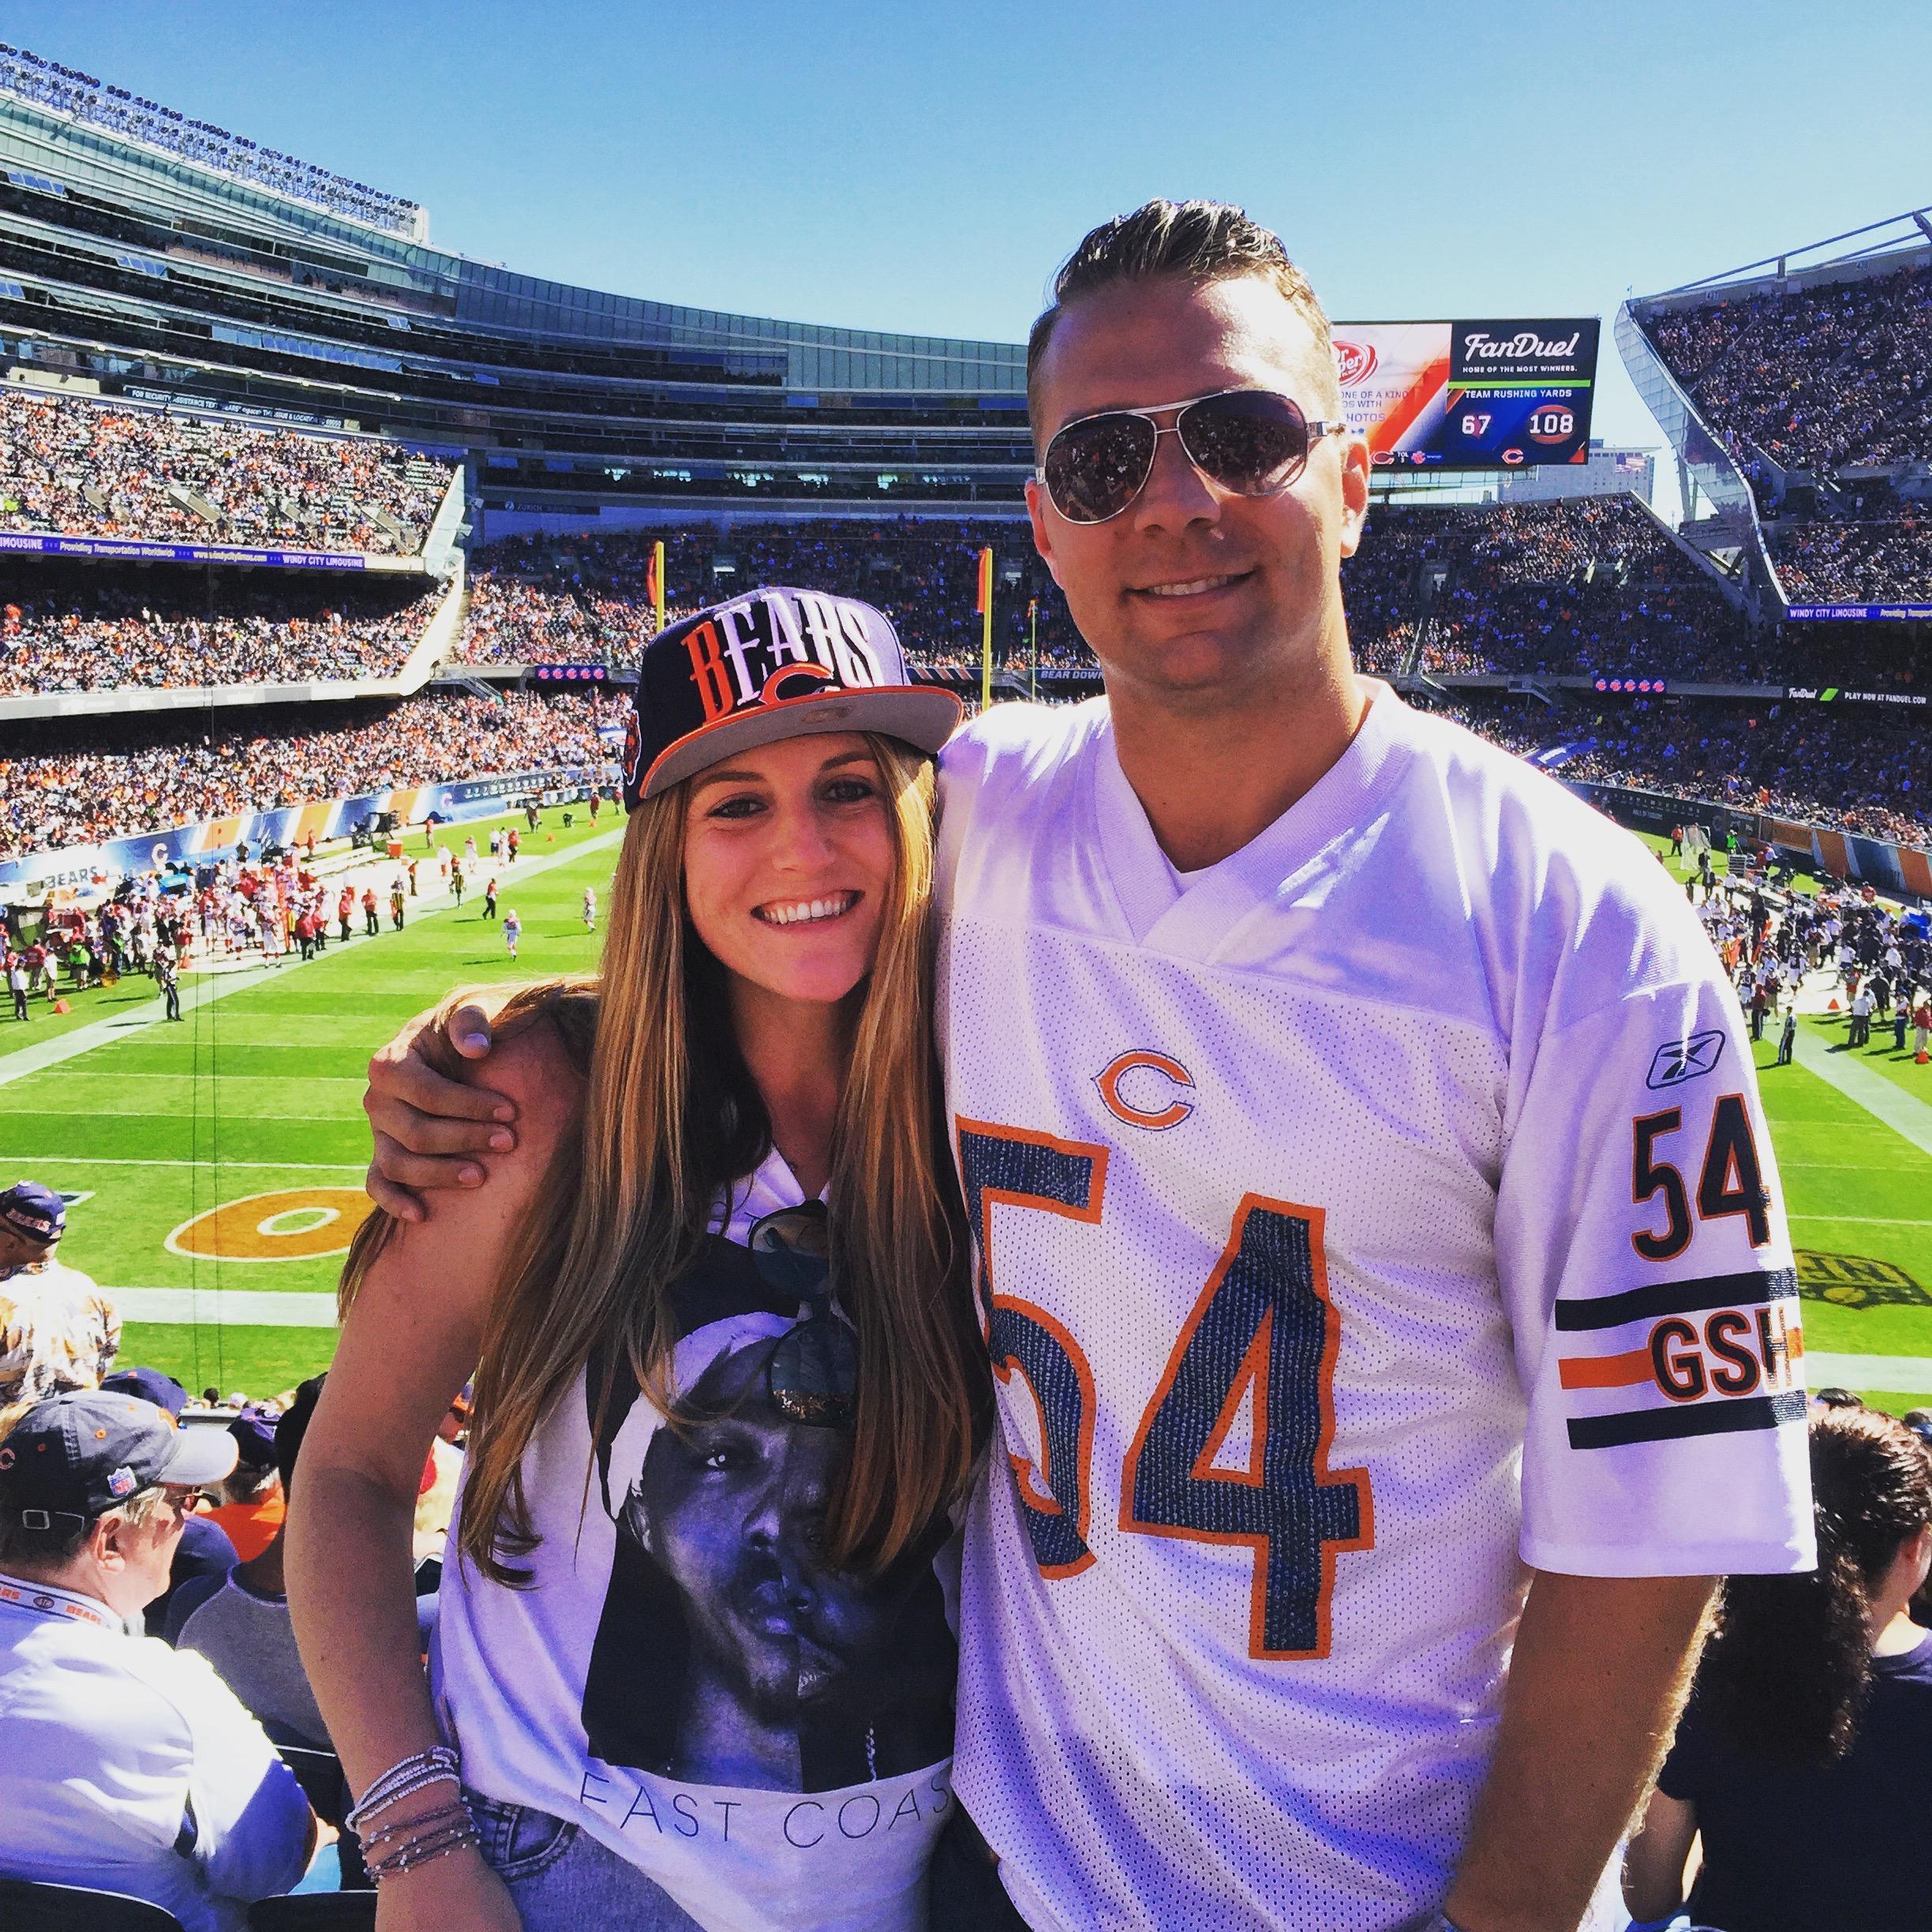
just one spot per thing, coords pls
(1816, 378)
(1849, 770)
(153, 775)
(586, 598)
(546, 598)
(80, 467)
(81, 97)
(1591, 586)
(71, 627)
(1861, 562)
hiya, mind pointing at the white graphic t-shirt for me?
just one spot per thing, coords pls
(769, 1739)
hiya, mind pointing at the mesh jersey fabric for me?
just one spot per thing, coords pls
(1302, 1196)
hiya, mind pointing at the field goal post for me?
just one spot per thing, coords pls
(1696, 839)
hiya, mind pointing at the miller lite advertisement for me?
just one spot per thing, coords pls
(1469, 395)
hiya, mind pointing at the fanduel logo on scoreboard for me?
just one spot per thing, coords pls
(1513, 351)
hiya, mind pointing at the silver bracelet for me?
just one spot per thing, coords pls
(437, 1765)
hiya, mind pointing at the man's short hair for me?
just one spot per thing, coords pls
(1197, 242)
(63, 1540)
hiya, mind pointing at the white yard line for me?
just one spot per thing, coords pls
(1909, 1374)
(1907, 1116)
(127, 1160)
(230, 1307)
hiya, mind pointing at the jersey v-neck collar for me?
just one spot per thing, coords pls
(1194, 918)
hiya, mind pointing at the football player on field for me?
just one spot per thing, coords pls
(1378, 1240)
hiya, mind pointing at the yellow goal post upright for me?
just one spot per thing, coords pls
(983, 604)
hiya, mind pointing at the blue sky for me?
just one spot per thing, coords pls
(924, 167)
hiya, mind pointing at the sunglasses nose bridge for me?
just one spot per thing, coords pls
(1183, 487)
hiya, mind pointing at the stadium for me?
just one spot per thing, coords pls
(326, 555)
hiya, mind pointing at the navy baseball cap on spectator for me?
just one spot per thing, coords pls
(151, 1385)
(36, 1211)
(254, 1434)
(77, 1456)
(776, 662)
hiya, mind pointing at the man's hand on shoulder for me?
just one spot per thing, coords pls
(429, 1130)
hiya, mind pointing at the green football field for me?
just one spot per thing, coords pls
(216, 1163)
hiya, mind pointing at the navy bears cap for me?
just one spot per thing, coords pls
(77, 1456)
(36, 1211)
(776, 662)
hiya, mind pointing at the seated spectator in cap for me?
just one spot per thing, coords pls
(125, 1765)
(57, 1330)
(252, 1504)
(1804, 1756)
(239, 1621)
(204, 1548)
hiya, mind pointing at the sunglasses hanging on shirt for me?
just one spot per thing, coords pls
(814, 1369)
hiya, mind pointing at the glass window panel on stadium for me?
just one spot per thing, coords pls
(131, 272)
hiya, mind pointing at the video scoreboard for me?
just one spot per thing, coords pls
(1470, 395)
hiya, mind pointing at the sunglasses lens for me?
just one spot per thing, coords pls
(813, 1373)
(1251, 442)
(790, 1249)
(1094, 470)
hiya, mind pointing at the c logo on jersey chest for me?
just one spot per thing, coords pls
(1118, 1098)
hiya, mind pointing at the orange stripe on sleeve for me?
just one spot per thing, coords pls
(1604, 1371)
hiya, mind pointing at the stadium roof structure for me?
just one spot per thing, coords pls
(1876, 248)
(133, 117)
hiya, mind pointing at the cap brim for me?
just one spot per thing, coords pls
(924, 715)
(201, 1456)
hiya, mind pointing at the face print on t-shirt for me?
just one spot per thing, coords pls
(729, 1652)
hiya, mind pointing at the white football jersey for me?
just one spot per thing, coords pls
(1382, 1210)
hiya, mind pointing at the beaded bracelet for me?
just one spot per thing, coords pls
(423, 1850)
(448, 1814)
(437, 1765)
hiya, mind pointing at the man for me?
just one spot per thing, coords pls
(1334, 1245)
(251, 1505)
(204, 1549)
(18, 983)
(1787, 1036)
(57, 1331)
(126, 1766)
(368, 911)
(1860, 1033)
(169, 975)
(239, 1619)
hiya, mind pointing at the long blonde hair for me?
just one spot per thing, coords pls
(670, 1118)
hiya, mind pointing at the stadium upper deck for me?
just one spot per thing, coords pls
(152, 272)
(1797, 392)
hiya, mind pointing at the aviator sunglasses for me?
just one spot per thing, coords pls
(814, 1369)
(1252, 442)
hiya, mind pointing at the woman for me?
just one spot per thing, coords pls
(692, 1646)
(1803, 1757)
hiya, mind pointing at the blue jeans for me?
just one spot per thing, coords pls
(563, 1880)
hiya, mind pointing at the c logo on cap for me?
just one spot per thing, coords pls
(774, 690)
